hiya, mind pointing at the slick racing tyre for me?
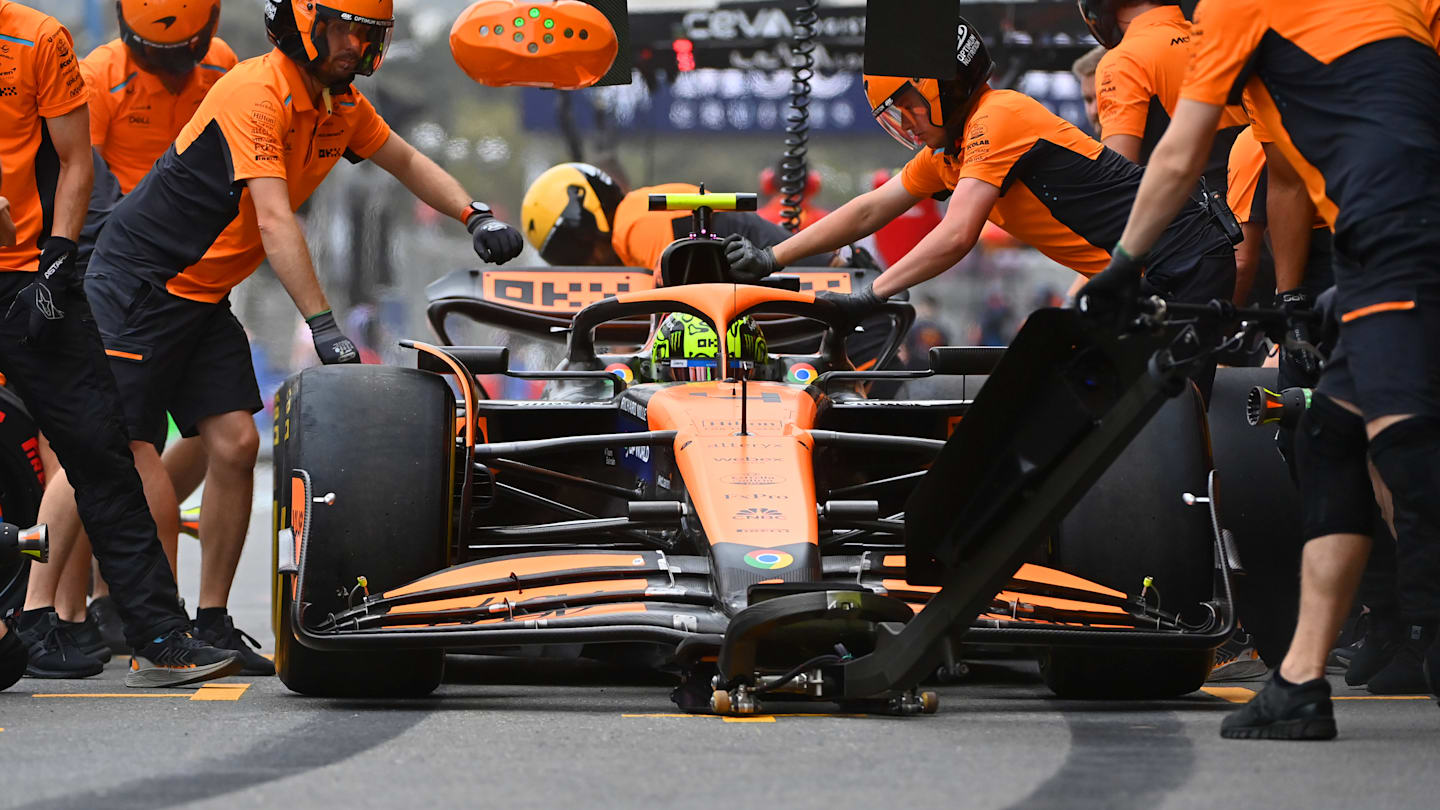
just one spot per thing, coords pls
(21, 482)
(1261, 506)
(1134, 524)
(381, 439)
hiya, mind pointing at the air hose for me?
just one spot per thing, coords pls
(793, 168)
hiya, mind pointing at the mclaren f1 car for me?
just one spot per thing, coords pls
(754, 530)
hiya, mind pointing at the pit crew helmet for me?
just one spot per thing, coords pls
(686, 348)
(299, 27)
(167, 36)
(568, 214)
(1100, 16)
(948, 100)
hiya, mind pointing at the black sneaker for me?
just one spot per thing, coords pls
(225, 636)
(1284, 711)
(52, 652)
(178, 658)
(1405, 674)
(1237, 660)
(86, 636)
(13, 658)
(107, 618)
(1381, 642)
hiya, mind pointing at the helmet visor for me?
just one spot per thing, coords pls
(175, 58)
(889, 117)
(335, 32)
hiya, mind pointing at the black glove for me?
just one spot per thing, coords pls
(332, 346)
(853, 306)
(44, 301)
(1299, 350)
(1109, 297)
(748, 263)
(495, 242)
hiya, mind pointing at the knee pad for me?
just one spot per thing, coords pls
(1336, 496)
(1405, 454)
(13, 659)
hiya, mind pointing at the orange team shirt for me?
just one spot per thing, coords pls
(1359, 156)
(133, 117)
(190, 226)
(39, 78)
(1138, 84)
(1246, 192)
(640, 235)
(1061, 192)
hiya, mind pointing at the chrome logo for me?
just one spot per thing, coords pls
(622, 371)
(803, 373)
(768, 560)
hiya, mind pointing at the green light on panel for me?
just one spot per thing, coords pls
(519, 21)
(534, 12)
(549, 23)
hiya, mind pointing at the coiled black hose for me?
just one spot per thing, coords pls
(793, 168)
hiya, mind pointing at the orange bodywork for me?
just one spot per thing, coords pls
(563, 45)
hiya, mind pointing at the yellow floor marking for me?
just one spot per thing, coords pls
(1234, 694)
(759, 718)
(1382, 697)
(120, 695)
(220, 691)
(666, 715)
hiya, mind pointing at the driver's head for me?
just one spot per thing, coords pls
(167, 36)
(932, 112)
(687, 348)
(333, 40)
(568, 215)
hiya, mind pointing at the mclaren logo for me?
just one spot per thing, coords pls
(166, 21)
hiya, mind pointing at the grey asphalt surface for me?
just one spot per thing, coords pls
(504, 734)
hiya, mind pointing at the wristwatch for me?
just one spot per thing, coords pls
(479, 209)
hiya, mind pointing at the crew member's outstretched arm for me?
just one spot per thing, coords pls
(854, 220)
(945, 245)
(285, 244)
(426, 180)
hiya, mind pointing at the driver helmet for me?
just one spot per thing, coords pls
(568, 215)
(686, 348)
(948, 100)
(167, 36)
(299, 27)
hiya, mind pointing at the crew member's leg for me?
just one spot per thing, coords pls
(218, 401)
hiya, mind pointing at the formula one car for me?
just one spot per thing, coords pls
(751, 532)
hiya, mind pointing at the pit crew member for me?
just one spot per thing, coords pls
(144, 86)
(1001, 155)
(1349, 90)
(216, 204)
(52, 355)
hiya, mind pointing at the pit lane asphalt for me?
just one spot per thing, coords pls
(501, 734)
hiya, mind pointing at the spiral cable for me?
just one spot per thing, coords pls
(793, 167)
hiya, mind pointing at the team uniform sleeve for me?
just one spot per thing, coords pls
(370, 130)
(60, 88)
(1123, 88)
(994, 142)
(921, 176)
(99, 101)
(1226, 34)
(253, 121)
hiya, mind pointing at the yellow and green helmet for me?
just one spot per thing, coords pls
(687, 348)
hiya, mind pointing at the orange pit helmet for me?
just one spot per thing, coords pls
(948, 100)
(301, 28)
(167, 36)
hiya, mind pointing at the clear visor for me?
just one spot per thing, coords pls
(335, 30)
(888, 115)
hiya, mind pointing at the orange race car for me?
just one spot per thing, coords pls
(746, 516)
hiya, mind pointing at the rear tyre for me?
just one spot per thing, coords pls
(20, 489)
(381, 439)
(1132, 525)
